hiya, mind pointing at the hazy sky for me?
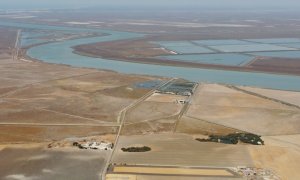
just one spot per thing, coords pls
(218, 4)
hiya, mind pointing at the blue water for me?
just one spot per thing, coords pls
(251, 48)
(221, 59)
(62, 53)
(292, 45)
(173, 43)
(32, 38)
(276, 40)
(284, 54)
(189, 49)
(183, 47)
(148, 84)
(222, 42)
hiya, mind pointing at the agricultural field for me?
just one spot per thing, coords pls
(238, 110)
(281, 155)
(287, 97)
(180, 150)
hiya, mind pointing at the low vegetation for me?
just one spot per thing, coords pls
(136, 149)
(235, 138)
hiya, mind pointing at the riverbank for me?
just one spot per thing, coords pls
(149, 54)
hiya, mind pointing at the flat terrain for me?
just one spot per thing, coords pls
(172, 171)
(52, 101)
(144, 51)
(284, 96)
(180, 150)
(7, 40)
(283, 65)
(235, 109)
(158, 113)
(281, 155)
(151, 111)
(40, 163)
(53, 104)
(190, 125)
(163, 177)
(47, 103)
(125, 48)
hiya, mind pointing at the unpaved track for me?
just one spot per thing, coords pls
(121, 119)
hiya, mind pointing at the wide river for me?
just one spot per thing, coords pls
(62, 53)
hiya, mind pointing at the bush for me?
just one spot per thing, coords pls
(136, 149)
(235, 138)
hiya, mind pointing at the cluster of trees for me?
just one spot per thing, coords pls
(136, 149)
(235, 138)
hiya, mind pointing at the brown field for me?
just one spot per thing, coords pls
(180, 150)
(190, 125)
(125, 48)
(150, 110)
(158, 113)
(163, 177)
(53, 102)
(284, 96)
(32, 133)
(281, 155)
(151, 126)
(234, 109)
(281, 65)
(171, 171)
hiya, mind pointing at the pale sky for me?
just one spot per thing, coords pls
(218, 4)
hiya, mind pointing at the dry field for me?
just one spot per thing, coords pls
(47, 102)
(148, 127)
(180, 150)
(163, 177)
(231, 108)
(190, 125)
(281, 154)
(150, 110)
(46, 133)
(171, 171)
(158, 113)
(60, 164)
(285, 96)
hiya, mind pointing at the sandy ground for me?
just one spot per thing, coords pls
(285, 96)
(180, 150)
(231, 108)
